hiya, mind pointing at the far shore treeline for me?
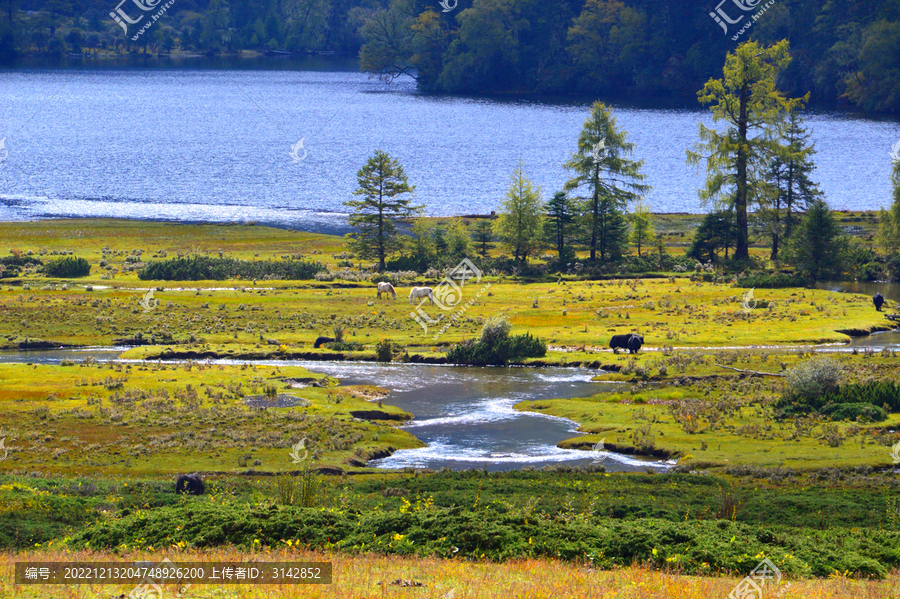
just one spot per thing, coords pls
(844, 52)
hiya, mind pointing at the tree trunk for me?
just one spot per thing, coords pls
(594, 223)
(381, 263)
(742, 249)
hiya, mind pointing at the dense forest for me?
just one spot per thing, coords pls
(842, 51)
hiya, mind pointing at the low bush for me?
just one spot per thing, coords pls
(695, 546)
(811, 379)
(773, 281)
(20, 261)
(498, 353)
(494, 330)
(859, 401)
(854, 411)
(204, 268)
(878, 394)
(67, 267)
(384, 351)
(345, 346)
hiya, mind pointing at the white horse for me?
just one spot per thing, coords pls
(386, 288)
(420, 292)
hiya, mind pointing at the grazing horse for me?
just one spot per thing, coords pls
(878, 300)
(386, 288)
(420, 292)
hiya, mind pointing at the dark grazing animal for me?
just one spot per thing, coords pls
(321, 341)
(190, 484)
(623, 342)
(635, 343)
(878, 300)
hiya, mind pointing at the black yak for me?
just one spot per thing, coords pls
(635, 343)
(190, 484)
(321, 341)
(625, 342)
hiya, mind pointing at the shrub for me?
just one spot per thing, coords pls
(384, 351)
(495, 330)
(345, 346)
(813, 378)
(67, 267)
(875, 394)
(854, 411)
(204, 268)
(499, 353)
(701, 546)
(849, 402)
(20, 260)
(773, 281)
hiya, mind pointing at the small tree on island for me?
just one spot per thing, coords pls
(519, 224)
(817, 245)
(612, 180)
(385, 193)
(746, 99)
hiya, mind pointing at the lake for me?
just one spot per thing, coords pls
(202, 140)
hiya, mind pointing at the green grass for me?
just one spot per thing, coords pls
(166, 419)
(714, 417)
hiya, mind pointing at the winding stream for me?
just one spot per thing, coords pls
(464, 415)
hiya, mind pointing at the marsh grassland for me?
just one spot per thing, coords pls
(93, 446)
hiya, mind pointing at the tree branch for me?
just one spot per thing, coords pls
(749, 371)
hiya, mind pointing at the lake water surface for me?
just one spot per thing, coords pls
(210, 141)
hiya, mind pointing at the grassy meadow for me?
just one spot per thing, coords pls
(93, 448)
(361, 577)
